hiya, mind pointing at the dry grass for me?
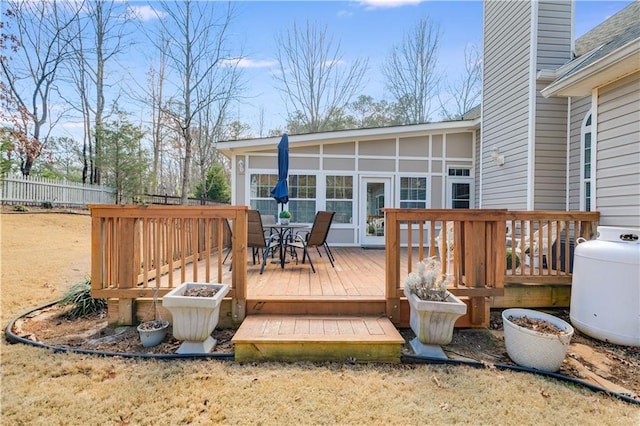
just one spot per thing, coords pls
(44, 254)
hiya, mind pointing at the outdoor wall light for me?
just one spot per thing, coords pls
(497, 157)
(241, 166)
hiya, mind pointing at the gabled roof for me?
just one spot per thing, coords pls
(615, 46)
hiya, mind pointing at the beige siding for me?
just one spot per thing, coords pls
(303, 163)
(580, 107)
(348, 164)
(554, 34)
(550, 153)
(412, 147)
(373, 165)
(381, 147)
(459, 145)
(348, 148)
(618, 153)
(505, 118)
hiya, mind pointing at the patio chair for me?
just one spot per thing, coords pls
(256, 239)
(315, 238)
(539, 241)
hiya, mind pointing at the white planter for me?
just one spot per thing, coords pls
(194, 318)
(284, 221)
(432, 322)
(529, 348)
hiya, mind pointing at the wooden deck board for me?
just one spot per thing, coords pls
(278, 328)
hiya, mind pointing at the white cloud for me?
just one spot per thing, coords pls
(387, 4)
(145, 13)
(248, 63)
(344, 14)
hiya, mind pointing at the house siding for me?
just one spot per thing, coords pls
(618, 153)
(554, 34)
(550, 153)
(505, 119)
(580, 107)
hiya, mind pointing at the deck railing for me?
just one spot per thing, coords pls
(472, 245)
(136, 250)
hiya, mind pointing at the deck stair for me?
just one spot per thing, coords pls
(317, 338)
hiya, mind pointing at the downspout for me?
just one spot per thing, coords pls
(532, 106)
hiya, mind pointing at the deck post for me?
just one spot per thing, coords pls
(129, 264)
(392, 267)
(239, 266)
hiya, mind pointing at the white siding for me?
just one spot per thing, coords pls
(554, 34)
(618, 153)
(579, 109)
(507, 32)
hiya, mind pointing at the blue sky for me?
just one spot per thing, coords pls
(365, 29)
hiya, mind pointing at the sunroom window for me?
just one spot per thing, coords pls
(413, 192)
(339, 197)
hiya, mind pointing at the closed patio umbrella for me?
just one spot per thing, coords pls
(280, 192)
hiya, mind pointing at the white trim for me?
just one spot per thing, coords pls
(567, 176)
(532, 106)
(583, 132)
(594, 149)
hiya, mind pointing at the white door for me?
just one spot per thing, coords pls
(460, 192)
(375, 194)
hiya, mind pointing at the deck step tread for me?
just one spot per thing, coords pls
(317, 338)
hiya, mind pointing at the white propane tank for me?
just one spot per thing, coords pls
(605, 293)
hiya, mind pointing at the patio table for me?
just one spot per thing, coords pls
(284, 232)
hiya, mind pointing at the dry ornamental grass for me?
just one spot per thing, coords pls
(43, 254)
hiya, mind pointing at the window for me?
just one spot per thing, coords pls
(261, 198)
(585, 169)
(339, 197)
(459, 172)
(302, 197)
(413, 192)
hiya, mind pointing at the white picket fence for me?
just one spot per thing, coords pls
(30, 191)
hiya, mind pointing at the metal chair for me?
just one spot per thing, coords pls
(315, 238)
(256, 239)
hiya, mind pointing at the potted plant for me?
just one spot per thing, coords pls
(284, 216)
(152, 332)
(195, 308)
(535, 339)
(434, 310)
(510, 259)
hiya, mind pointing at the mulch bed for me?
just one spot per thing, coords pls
(619, 365)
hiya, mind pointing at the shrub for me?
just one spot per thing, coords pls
(79, 295)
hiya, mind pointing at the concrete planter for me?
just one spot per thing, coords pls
(194, 318)
(533, 349)
(152, 332)
(432, 322)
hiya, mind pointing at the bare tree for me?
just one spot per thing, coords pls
(197, 49)
(30, 78)
(410, 71)
(464, 92)
(313, 78)
(98, 42)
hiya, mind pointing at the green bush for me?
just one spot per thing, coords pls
(509, 256)
(79, 295)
